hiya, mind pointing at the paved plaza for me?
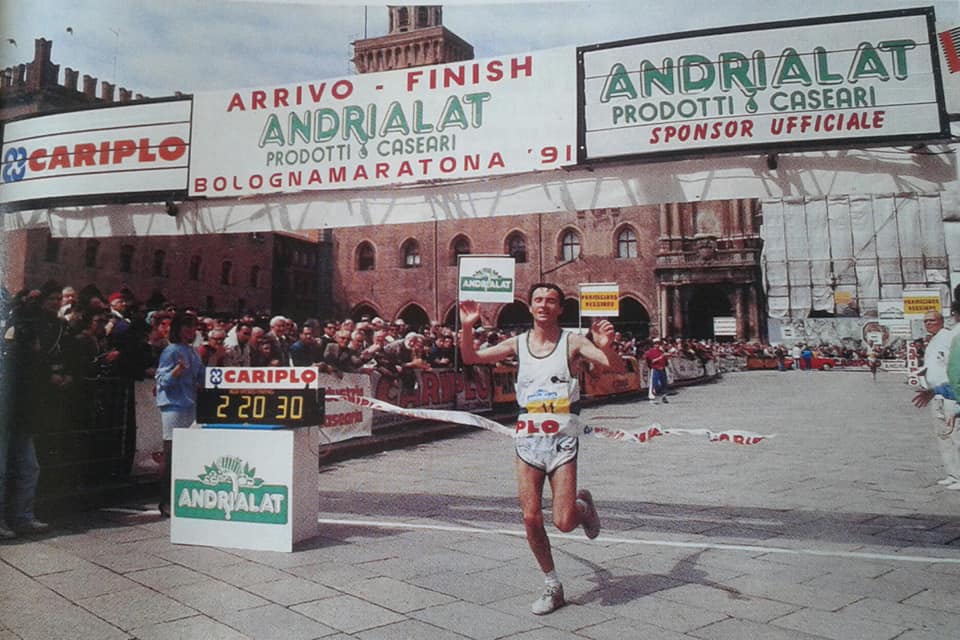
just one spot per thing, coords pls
(835, 529)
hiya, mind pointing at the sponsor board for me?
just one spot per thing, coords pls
(444, 122)
(800, 84)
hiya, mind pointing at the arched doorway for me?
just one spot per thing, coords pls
(362, 310)
(415, 317)
(515, 316)
(633, 319)
(705, 303)
(571, 313)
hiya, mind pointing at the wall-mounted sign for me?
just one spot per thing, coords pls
(600, 299)
(486, 278)
(456, 121)
(869, 78)
(917, 302)
(118, 151)
(724, 326)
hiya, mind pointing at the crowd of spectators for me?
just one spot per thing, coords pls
(117, 337)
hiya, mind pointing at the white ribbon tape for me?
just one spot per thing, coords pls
(637, 436)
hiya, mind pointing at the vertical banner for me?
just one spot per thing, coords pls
(486, 278)
(600, 299)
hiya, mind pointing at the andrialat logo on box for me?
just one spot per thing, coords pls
(229, 490)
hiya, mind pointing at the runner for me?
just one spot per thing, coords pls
(547, 431)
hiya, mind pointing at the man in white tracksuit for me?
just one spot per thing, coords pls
(937, 390)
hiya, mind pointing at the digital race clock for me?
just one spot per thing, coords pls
(287, 407)
(268, 396)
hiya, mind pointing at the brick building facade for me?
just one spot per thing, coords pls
(677, 265)
(231, 273)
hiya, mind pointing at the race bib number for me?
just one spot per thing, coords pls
(547, 424)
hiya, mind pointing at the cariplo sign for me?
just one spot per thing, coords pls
(802, 84)
(112, 151)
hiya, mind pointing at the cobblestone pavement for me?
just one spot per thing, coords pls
(834, 529)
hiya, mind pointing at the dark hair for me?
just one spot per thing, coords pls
(546, 285)
(179, 321)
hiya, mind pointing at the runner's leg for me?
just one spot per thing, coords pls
(530, 492)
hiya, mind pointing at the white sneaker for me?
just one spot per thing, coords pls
(948, 480)
(591, 519)
(550, 601)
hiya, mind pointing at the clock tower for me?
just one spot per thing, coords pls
(416, 38)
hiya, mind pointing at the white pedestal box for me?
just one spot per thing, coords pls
(244, 488)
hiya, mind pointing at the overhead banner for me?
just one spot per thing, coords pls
(465, 120)
(869, 78)
(117, 150)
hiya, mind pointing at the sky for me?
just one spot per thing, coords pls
(158, 47)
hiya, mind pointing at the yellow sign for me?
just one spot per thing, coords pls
(919, 304)
(842, 297)
(599, 299)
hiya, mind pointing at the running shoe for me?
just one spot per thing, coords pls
(550, 601)
(591, 519)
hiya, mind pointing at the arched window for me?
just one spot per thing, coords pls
(570, 245)
(411, 254)
(366, 257)
(254, 277)
(90, 255)
(627, 243)
(52, 253)
(461, 247)
(226, 272)
(159, 260)
(194, 271)
(126, 258)
(517, 246)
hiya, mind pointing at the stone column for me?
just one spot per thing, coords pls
(676, 316)
(743, 323)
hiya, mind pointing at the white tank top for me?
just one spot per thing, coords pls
(546, 391)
